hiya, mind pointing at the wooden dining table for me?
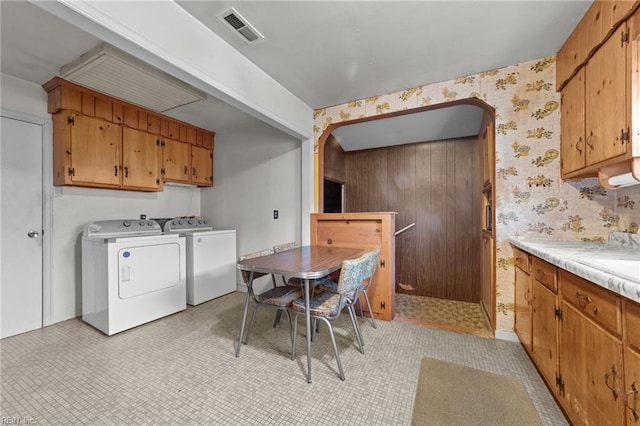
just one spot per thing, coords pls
(307, 263)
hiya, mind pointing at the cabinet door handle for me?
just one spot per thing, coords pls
(115, 170)
(580, 145)
(583, 300)
(186, 170)
(126, 172)
(194, 171)
(634, 412)
(527, 296)
(590, 140)
(611, 373)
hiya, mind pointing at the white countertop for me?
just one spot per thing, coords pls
(614, 266)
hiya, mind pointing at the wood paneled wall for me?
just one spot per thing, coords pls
(437, 186)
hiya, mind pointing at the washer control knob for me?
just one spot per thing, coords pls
(141, 223)
(174, 223)
(149, 223)
(190, 222)
(205, 221)
(126, 224)
(179, 222)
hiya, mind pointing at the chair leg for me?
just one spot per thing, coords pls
(253, 319)
(356, 327)
(295, 334)
(277, 320)
(366, 299)
(335, 348)
(244, 320)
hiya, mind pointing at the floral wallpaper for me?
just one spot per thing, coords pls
(531, 199)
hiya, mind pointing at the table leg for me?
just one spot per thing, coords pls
(244, 315)
(307, 315)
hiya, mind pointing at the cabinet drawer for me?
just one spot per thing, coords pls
(594, 302)
(544, 272)
(521, 259)
(632, 323)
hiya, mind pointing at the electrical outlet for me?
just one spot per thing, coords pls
(275, 214)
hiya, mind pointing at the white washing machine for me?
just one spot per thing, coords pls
(132, 273)
(211, 258)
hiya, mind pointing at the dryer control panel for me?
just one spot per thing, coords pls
(122, 228)
(183, 224)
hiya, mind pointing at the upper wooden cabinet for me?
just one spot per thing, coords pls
(606, 100)
(201, 166)
(176, 161)
(107, 143)
(598, 89)
(86, 151)
(596, 26)
(140, 160)
(572, 125)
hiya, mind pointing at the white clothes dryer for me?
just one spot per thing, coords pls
(132, 273)
(211, 258)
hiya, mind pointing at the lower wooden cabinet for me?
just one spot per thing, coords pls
(591, 372)
(522, 322)
(544, 344)
(631, 398)
(584, 340)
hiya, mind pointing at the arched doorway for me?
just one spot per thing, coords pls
(435, 185)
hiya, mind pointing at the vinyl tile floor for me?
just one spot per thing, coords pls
(182, 369)
(453, 315)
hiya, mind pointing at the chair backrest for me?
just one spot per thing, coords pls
(284, 247)
(246, 274)
(373, 262)
(354, 272)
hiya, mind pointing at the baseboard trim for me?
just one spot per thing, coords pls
(507, 335)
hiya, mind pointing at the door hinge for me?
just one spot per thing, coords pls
(382, 264)
(560, 384)
(71, 120)
(558, 313)
(383, 306)
(624, 136)
(625, 37)
(72, 171)
(163, 143)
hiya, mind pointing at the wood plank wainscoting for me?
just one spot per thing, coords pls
(434, 184)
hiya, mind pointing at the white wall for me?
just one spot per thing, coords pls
(256, 171)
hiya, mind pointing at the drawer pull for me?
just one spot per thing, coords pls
(633, 391)
(527, 296)
(583, 300)
(612, 373)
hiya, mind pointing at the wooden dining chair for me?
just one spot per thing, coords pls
(279, 297)
(327, 303)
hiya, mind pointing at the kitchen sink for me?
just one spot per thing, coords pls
(628, 269)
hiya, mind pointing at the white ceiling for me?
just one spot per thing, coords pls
(328, 52)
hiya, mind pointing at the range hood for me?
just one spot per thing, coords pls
(117, 74)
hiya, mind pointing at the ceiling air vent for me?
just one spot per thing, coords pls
(240, 26)
(115, 73)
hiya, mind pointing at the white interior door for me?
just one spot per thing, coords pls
(21, 226)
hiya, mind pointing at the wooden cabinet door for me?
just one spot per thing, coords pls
(572, 136)
(95, 151)
(606, 106)
(176, 160)
(523, 308)
(140, 160)
(544, 331)
(591, 370)
(201, 166)
(632, 386)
